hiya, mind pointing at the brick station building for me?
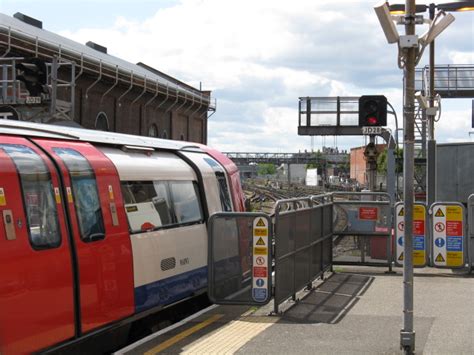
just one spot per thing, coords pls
(82, 84)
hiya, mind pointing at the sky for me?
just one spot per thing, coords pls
(259, 57)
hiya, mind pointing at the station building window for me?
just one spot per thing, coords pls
(164, 135)
(153, 130)
(101, 122)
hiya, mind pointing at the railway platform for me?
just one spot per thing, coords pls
(356, 310)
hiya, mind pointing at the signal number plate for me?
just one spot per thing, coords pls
(372, 130)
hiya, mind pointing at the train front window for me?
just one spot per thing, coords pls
(85, 194)
(223, 192)
(38, 196)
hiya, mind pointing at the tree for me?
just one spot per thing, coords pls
(382, 161)
(318, 161)
(266, 169)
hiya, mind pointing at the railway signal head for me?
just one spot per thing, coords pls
(372, 110)
(32, 72)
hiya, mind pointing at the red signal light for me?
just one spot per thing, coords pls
(372, 120)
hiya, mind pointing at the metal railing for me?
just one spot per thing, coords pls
(303, 245)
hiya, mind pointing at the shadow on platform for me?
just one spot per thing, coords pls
(330, 301)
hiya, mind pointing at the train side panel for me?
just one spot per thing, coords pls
(166, 222)
(99, 226)
(36, 278)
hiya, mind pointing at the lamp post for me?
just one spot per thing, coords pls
(455, 6)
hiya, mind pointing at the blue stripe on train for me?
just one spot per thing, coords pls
(170, 290)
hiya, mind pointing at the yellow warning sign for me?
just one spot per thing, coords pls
(260, 241)
(260, 232)
(111, 192)
(454, 213)
(401, 256)
(57, 195)
(439, 213)
(402, 212)
(439, 258)
(260, 251)
(3, 200)
(69, 194)
(419, 212)
(260, 223)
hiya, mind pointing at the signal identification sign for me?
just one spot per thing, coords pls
(372, 130)
(448, 235)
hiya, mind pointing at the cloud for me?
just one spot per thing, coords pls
(259, 57)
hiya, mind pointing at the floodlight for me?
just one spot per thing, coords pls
(436, 29)
(421, 100)
(386, 22)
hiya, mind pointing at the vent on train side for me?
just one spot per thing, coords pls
(168, 264)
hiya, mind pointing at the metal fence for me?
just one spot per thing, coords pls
(362, 229)
(303, 244)
(470, 222)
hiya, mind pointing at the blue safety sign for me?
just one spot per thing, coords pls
(259, 294)
(439, 242)
(419, 242)
(454, 243)
(400, 241)
(260, 282)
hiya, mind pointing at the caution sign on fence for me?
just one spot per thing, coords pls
(260, 268)
(419, 235)
(448, 235)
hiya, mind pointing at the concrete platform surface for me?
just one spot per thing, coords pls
(357, 310)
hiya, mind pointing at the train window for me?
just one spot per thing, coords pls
(38, 196)
(147, 204)
(223, 192)
(185, 198)
(85, 193)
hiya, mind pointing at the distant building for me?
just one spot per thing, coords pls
(358, 164)
(93, 88)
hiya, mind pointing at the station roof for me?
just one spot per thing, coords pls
(40, 41)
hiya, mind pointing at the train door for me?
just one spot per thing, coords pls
(36, 277)
(99, 226)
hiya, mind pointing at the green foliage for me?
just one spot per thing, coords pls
(382, 161)
(318, 161)
(266, 169)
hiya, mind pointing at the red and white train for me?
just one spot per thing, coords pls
(99, 229)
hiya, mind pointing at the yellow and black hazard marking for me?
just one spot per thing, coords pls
(402, 212)
(440, 259)
(260, 232)
(401, 257)
(260, 223)
(260, 251)
(439, 213)
(260, 241)
(3, 200)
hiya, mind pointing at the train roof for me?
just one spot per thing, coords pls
(88, 135)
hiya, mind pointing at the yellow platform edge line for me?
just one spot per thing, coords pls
(184, 334)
